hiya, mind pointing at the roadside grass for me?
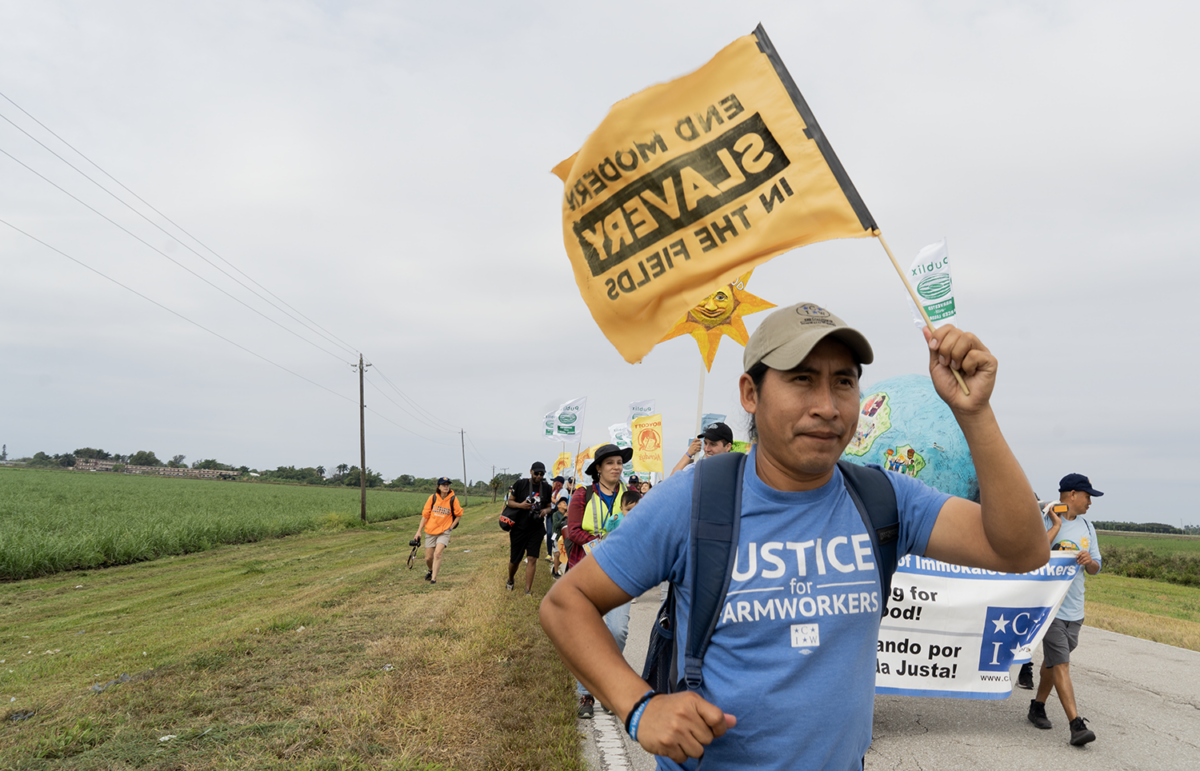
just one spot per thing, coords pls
(53, 520)
(1153, 610)
(316, 651)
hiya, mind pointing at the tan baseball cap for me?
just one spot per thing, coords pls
(789, 334)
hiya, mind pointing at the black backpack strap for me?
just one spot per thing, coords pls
(712, 550)
(875, 499)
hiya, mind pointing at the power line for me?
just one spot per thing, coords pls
(393, 401)
(165, 255)
(331, 337)
(171, 311)
(167, 233)
(405, 428)
(451, 427)
(478, 453)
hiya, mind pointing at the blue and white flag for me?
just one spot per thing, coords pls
(955, 632)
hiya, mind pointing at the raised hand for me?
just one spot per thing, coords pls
(950, 349)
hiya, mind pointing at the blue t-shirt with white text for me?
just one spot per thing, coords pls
(793, 654)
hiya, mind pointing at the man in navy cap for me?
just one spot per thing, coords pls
(1069, 532)
(717, 438)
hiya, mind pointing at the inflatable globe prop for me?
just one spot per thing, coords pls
(904, 426)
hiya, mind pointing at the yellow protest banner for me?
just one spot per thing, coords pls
(689, 184)
(648, 444)
(560, 464)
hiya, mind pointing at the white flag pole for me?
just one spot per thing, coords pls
(916, 301)
(700, 397)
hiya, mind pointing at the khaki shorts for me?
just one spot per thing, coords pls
(433, 540)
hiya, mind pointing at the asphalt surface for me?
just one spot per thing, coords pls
(1141, 698)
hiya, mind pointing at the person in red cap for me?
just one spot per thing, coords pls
(1069, 532)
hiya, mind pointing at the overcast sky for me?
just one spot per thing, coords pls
(384, 168)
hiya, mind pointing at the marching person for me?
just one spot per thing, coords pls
(556, 522)
(717, 438)
(595, 512)
(556, 492)
(438, 518)
(1068, 532)
(528, 502)
(760, 705)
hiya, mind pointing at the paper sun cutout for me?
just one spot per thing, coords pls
(720, 314)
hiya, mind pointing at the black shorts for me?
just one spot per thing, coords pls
(526, 541)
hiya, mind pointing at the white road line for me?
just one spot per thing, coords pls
(610, 741)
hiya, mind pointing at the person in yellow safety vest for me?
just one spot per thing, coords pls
(594, 512)
(439, 517)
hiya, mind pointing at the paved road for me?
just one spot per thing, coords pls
(1141, 698)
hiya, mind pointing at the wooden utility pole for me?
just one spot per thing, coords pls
(462, 434)
(362, 439)
(492, 482)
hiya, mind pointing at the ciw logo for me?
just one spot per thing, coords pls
(1005, 632)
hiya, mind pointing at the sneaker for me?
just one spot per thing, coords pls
(1025, 678)
(509, 586)
(1081, 734)
(585, 708)
(432, 581)
(1037, 714)
(429, 575)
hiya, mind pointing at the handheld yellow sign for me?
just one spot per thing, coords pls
(689, 184)
(648, 444)
(560, 464)
(583, 459)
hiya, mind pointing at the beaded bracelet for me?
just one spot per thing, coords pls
(635, 714)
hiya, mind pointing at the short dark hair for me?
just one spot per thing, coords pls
(630, 496)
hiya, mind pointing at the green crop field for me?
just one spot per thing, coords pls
(52, 521)
(1163, 544)
(1173, 559)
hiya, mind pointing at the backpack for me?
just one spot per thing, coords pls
(507, 522)
(450, 502)
(715, 523)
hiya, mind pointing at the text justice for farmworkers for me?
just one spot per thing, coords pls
(760, 704)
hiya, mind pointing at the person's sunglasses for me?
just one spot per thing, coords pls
(538, 474)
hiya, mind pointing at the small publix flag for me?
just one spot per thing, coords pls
(690, 184)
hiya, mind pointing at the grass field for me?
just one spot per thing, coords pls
(65, 520)
(318, 651)
(1152, 610)
(1168, 558)
(1165, 544)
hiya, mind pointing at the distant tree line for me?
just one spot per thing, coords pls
(1148, 527)
(344, 475)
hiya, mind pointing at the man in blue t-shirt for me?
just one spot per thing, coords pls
(1069, 532)
(789, 673)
